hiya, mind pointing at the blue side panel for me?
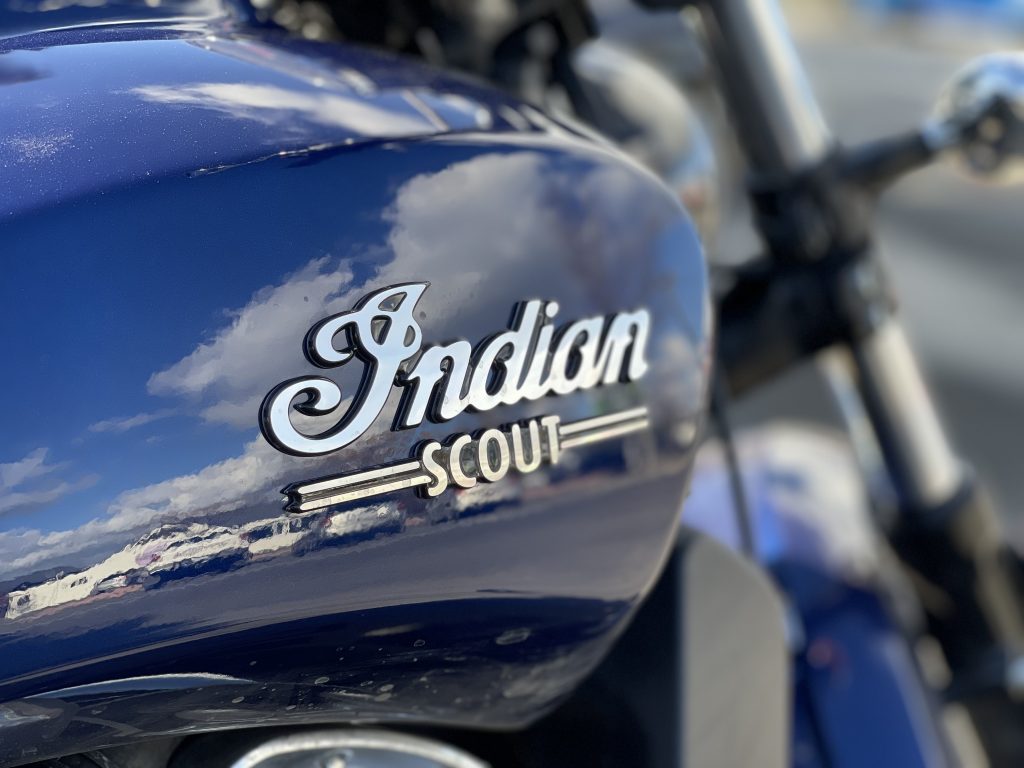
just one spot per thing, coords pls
(859, 698)
(865, 689)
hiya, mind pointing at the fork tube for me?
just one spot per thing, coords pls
(776, 116)
(945, 529)
(921, 463)
(784, 135)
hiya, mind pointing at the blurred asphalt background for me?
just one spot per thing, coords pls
(953, 247)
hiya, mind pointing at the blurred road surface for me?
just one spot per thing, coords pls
(953, 247)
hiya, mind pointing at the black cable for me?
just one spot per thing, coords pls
(720, 415)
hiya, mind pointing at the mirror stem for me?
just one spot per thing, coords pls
(876, 165)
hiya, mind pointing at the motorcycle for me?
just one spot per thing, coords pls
(359, 358)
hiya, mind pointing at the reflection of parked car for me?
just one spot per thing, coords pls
(362, 524)
(264, 537)
(112, 583)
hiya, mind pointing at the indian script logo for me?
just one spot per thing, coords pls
(531, 359)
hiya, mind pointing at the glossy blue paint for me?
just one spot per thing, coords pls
(181, 201)
(854, 670)
(88, 110)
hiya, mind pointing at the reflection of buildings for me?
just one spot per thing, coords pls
(181, 550)
(184, 550)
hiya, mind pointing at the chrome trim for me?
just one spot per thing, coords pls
(464, 460)
(359, 477)
(606, 434)
(981, 115)
(585, 425)
(349, 749)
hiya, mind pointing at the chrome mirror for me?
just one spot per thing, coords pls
(980, 117)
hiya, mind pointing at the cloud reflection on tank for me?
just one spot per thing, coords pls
(177, 551)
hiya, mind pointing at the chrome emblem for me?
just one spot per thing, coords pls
(528, 361)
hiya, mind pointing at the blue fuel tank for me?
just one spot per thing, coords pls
(335, 389)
